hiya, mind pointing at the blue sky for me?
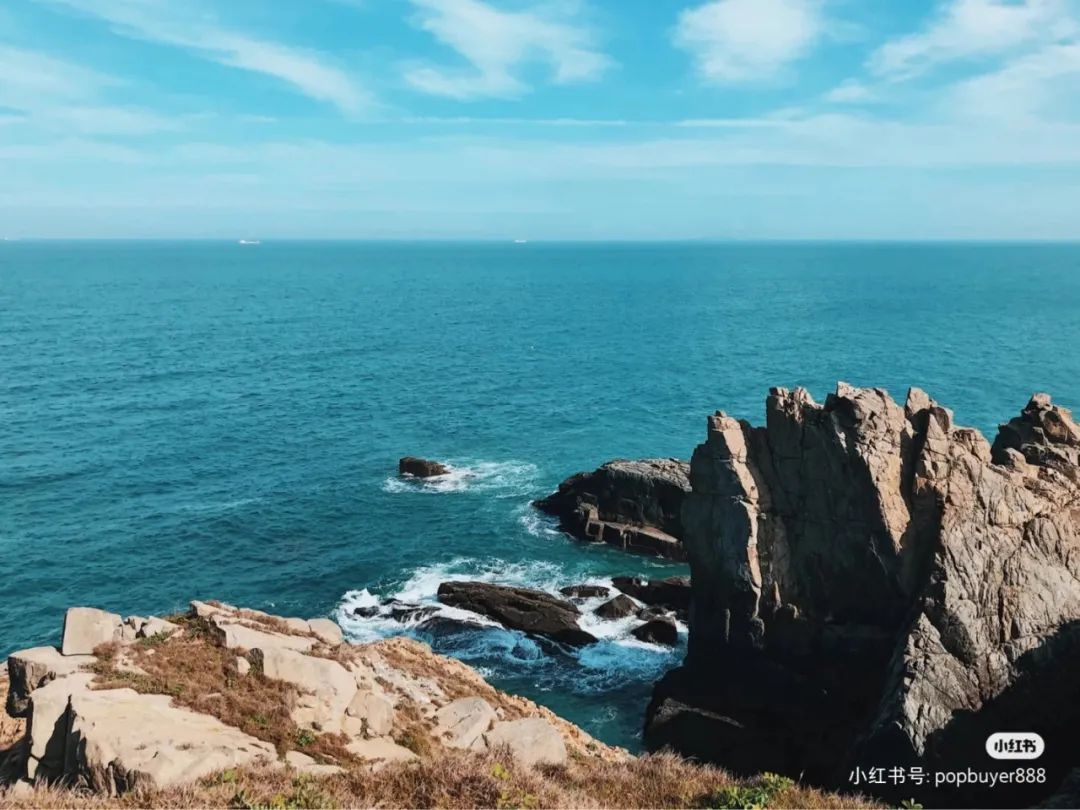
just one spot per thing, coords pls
(557, 119)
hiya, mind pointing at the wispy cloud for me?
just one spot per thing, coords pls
(972, 29)
(735, 41)
(186, 26)
(58, 95)
(1028, 87)
(30, 76)
(498, 45)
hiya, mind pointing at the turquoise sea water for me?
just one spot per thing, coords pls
(205, 420)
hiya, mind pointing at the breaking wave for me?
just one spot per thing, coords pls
(411, 607)
(503, 479)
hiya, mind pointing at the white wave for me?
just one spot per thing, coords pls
(616, 658)
(536, 523)
(223, 506)
(425, 580)
(506, 479)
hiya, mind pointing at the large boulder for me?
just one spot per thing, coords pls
(618, 608)
(372, 712)
(86, 628)
(870, 589)
(31, 669)
(421, 467)
(670, 593)
(328, 688)
(533, 612)
(532, 741)
(462, 723)
(327, 631)
(117, 740)
(635, 505)
(660, 630)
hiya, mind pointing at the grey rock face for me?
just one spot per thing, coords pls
(635, 505)
(873, 585)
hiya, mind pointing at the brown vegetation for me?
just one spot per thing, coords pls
(200, 674)
(464, 780)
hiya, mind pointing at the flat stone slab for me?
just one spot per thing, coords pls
(533, 741)
(381, 750)
(238, 636)
(119, 739)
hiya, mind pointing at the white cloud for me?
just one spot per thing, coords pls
(748, 40)
(157, 21)
(967, 29)
(62, 96)
(498, 44)
(1038, 84)
(851, 91)
(29, 77)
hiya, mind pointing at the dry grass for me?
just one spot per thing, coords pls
(464, 780)
(201, 675)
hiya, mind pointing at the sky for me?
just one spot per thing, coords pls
(540, 119)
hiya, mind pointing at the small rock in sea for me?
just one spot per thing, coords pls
(366, 612)
(584, 591)
(672, 593)
(618, 608)
(658, 631)
(421, 467)
(411, 612)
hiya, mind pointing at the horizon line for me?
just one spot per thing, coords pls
(261, 241)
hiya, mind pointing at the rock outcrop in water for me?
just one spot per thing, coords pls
(531, 611)
(421, 467)
(635, 505)
(874, 586)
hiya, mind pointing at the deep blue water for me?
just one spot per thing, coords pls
(206, 420)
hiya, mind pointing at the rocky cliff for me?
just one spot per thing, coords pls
(227, 707)
(875, 586)
(634, 505)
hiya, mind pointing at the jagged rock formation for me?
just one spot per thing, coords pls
(531, 611)
(874, 586)
(635, 505)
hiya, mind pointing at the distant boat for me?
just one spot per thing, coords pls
(250, 242)
(521, 241)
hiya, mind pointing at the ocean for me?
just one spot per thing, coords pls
(216, 421)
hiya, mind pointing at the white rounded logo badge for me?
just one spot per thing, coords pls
(1015, 745)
